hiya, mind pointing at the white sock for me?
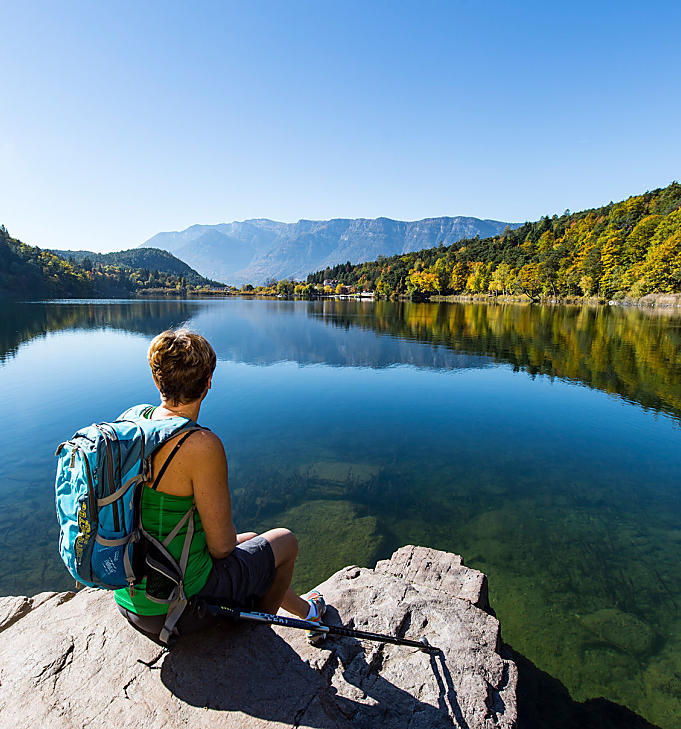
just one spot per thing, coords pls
(312, 613)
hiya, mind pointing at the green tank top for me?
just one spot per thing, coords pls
(160, 513)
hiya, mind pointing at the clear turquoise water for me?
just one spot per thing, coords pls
(540, 443)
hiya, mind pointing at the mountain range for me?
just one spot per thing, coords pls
(253, 251)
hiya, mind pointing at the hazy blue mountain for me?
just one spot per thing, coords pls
(255, 250)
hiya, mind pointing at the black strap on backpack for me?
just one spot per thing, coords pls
(154, 485)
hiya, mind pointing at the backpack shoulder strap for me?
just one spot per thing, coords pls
(133, 412)
(159, 476)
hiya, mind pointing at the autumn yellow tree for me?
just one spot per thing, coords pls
(421, 282)
(635, 249)
(479, 277)
(529, 279)
(662, 266)
(611, 261)
(500, 279)
(458, 276)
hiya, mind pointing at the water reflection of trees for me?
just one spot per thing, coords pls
(22, 322)
(630, 352)
(633, 353)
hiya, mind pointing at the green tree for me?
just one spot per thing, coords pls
(285, 287)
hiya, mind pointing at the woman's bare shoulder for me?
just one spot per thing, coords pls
(205, 443)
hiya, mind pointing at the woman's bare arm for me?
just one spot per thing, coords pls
(211, 491)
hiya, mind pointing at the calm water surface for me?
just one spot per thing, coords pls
(540, 443)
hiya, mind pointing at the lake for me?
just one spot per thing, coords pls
(540, 443)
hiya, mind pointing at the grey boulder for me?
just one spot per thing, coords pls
(72, 661)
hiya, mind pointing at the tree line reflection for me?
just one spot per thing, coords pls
(630, 352)
(22, 322)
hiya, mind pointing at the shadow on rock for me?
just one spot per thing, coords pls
(252, 670)
(247, 669)
(545, 703)
(368, 699)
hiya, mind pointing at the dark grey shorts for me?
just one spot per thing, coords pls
(239, 580)
(243, 577)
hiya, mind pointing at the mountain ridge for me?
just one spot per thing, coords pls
(257, 249)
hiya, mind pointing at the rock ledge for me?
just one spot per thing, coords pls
(73, 661)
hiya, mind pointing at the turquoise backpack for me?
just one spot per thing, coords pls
(98, 488)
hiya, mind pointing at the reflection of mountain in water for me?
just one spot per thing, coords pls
(23, 322)
(628, 352)
(267, 332)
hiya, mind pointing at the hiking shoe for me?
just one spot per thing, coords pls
(317, 599)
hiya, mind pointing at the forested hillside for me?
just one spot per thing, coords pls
(30, 272)
(149, 259)
(627, 248)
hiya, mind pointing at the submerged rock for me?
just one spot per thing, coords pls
(71, 661)
(355, 537)
(622, 630)
(340, 471)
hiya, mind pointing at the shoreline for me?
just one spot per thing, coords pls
(649, 301)
(659, 302)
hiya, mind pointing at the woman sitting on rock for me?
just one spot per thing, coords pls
(246, 570)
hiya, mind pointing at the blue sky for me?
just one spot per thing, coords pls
(120, 120)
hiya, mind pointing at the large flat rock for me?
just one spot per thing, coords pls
(72, 661)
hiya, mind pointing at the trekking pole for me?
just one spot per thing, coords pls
(234, 614)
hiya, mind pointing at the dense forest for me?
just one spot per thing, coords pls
(148, 259)
(630, 248)
(31, 272)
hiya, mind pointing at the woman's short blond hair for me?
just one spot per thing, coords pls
(182, 363)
